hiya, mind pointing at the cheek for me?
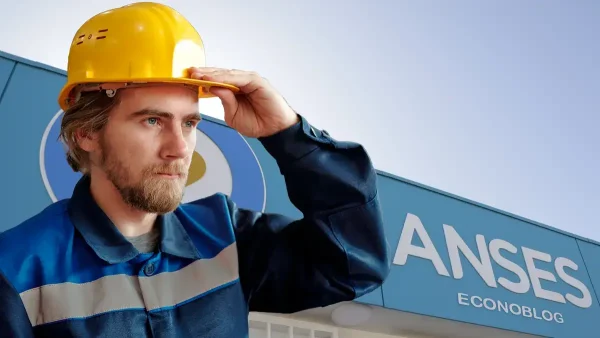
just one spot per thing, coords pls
(142, 152)
(131, 148)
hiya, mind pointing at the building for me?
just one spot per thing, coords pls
(460, 269)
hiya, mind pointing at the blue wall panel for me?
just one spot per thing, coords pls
(591, 256)
(277, 200)
(28, 104)
(373, 298)
(6, 68)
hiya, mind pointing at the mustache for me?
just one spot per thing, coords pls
(170, 169)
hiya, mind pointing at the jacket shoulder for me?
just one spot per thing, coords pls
(34, 229)
(38, 237)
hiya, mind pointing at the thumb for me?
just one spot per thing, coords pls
(228, 99)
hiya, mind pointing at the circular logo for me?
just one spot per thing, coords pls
(222, 162)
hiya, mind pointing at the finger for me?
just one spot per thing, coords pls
(205, 69)
(247, 82)
(197, 72)
(214, 69)
(228, 99)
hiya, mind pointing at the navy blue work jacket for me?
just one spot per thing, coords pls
(68, 272)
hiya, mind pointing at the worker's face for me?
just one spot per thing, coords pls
(147, 145)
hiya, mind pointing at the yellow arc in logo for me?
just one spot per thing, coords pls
(197, 169)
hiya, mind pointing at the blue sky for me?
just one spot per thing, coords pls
(495, 101)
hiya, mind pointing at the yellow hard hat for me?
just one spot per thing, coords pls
(139, 43)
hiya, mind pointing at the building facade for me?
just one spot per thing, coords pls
(460, 269)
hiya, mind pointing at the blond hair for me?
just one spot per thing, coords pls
(88, 115)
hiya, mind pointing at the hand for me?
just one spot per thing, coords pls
(258, 110)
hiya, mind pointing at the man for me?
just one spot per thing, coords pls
(124, 258)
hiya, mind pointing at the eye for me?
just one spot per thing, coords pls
(152, 120)
(191, 124)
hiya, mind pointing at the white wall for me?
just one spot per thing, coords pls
(282, 327)
(347, 333)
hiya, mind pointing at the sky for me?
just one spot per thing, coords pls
(494, 101)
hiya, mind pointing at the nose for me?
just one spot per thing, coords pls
(175, 145)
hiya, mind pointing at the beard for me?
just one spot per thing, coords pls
(151, 193)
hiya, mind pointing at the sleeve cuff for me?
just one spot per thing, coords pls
(295, 142)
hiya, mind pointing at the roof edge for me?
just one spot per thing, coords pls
(32, 63)
(487, 207)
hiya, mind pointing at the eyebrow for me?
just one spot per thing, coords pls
(159, 113)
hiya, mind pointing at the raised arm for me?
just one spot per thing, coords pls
(337, 251)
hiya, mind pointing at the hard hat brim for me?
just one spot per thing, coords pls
(202, 85)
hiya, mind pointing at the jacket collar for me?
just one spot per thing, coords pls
(105, 239)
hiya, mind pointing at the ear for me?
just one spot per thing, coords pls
(87, 141)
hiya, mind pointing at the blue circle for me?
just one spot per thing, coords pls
(248, 182)
(248, 188)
